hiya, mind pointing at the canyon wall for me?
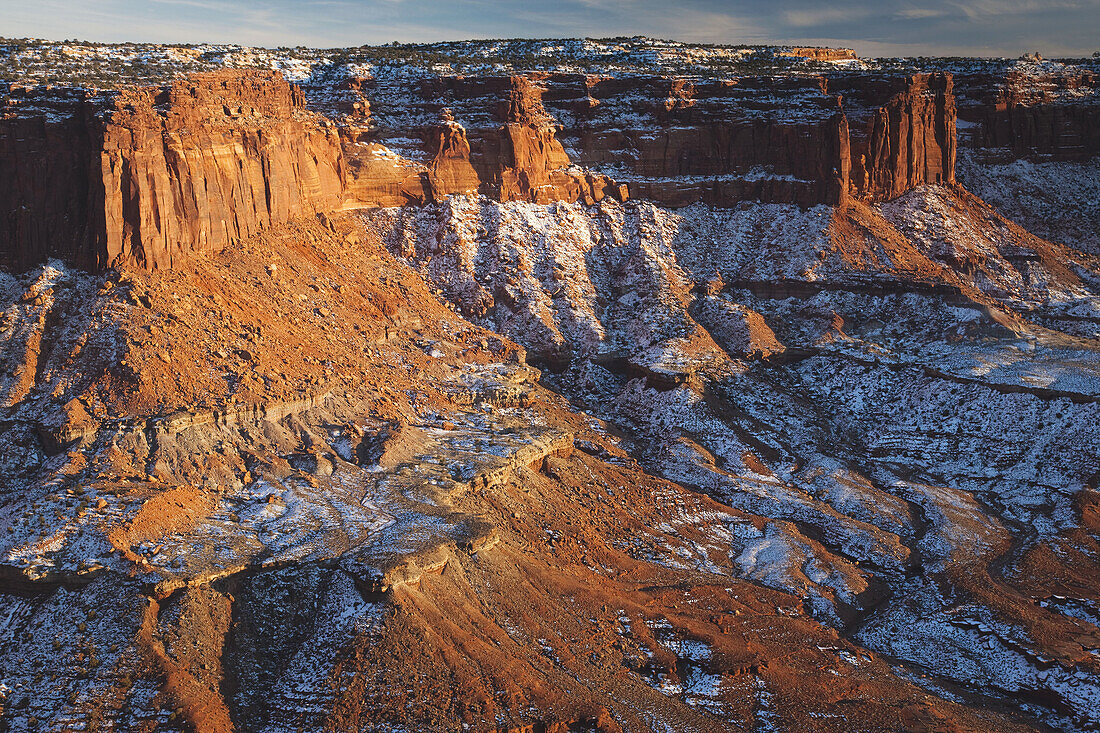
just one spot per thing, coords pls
(719, 142)
(527, 161)
(669, 140)
(677, 142)
(1066, 131)
(513, 155)
(1030, 111)
(153, 176)
(223, 155)
(47, 191)
(902, 132)
(818, 53)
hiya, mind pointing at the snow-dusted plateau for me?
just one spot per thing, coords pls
(547, 386)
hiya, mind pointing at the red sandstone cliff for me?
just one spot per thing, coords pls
(717, 141)
(151, 176)
(816, 53)
(223, 156)
(804, 140)
(450, 171)
(518, 160)
(529, 150)
(902, 132)
(154, 176)
(1055, 114)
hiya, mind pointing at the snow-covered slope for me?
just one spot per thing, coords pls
(891, 387)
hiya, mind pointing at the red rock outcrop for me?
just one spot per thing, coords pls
(804, 140)
(151, 176)
(718, 142)
(154, 176)
(514, 156)
(450, 171)
(529, 151)
(376, 176)
(349, 102)
(232, 152)
(526, 162)
(902, 132)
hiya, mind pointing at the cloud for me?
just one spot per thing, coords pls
(919, 13)
(981, 9)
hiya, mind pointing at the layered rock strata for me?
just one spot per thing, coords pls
(721, 142)
(518, 159)
(795, 459)
(155, 176)
(1031, 111)
(817, 53)
(46, 185)
(678, 141)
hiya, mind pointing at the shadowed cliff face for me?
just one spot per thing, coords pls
(1028, 139)
(47, 188)
(1035, 111)
(666, 140)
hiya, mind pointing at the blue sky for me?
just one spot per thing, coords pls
(873, 27)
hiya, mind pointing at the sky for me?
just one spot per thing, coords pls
(872, 27)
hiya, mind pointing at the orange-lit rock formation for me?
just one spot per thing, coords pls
(816, 53)
(450, 170)
(225, 155)
(154, 176)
